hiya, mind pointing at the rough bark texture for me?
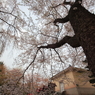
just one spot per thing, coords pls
(83, 23)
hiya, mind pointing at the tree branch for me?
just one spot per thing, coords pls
(61, 20)
(64, 3)
(26, 68)
(67, 39)
(59, 56)
(8, 13)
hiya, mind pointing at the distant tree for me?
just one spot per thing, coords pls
(12, 83)
(2, 73)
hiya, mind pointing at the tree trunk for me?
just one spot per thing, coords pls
(83, 23)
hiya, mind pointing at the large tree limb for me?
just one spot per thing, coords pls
(67, 39)
(61, 20)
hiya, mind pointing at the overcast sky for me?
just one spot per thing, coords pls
(10, 53)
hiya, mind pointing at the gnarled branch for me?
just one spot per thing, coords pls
(67, 39)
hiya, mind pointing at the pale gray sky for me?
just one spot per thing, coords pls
(10, 54)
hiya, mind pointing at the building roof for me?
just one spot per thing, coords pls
(70, 68)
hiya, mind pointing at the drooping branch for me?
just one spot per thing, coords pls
(27, 68)
(67, 39)
(59, 56)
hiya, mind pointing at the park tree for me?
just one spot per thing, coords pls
(28, 34)
(11, 84)
(78, 20)
(82, 22)
(46, 46)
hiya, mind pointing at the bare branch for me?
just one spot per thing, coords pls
(27, 68)
(58, 56)
(8, 13)
(8, 23)
(48, 35)
(32, 61)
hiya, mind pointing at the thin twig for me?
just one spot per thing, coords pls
(8, 23)
(32, 61)
(58, 55)
(48, 35)
(8, 13)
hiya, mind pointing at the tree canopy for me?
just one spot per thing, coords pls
(27, 31)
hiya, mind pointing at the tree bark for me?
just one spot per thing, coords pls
(72, 41)
(83, 23)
